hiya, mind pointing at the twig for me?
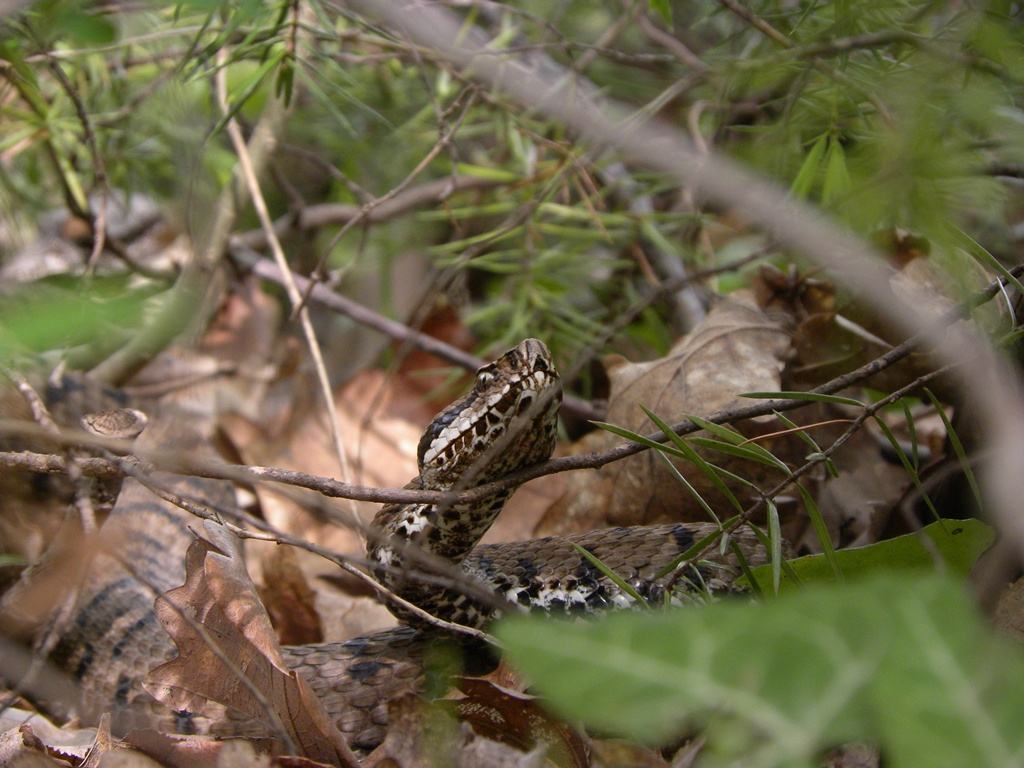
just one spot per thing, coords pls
(438, 571)
(315, 217)
(669, 42)
(294, 296)
(392, 328)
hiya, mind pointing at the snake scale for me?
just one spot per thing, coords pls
(506, 422)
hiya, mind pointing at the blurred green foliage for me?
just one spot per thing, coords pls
(888, 113)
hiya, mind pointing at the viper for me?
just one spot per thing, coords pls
(506, 422)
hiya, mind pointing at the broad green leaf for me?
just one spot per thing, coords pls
(948, 695)
(959, 543)
(38, 321)
(899, 660)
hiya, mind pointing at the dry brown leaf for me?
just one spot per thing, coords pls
(20, 747)
(49, 581)
(424, 735)
(510, 717)
(855, 504)
(176, 751)
(616, 753)
(219, 595)
(382, 452)
(853, 756)
(737, 349)
(289, 599)
(1010, 611)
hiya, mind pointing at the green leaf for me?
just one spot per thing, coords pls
(986, 259)
(83, 27)
(958, 449)
(719, 430)
(696, 549)
(803, 184)
(688, 453)
(620, 582)
(775, 537)
(899, 660)
(959, 544)
(482, 172)
(802, 433)
(821, 530)
(636, 437)
(837, 175)
(915, 478)
(40, 320)
(663, 8)
(750, 451)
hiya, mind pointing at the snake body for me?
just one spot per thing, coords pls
(505, 423)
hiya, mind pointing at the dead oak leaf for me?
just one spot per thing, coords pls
(737, 348)
(250, 675)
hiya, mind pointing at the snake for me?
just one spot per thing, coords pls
(506, 422)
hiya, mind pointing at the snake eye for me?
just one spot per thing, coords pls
(541, 364)
(484, 379)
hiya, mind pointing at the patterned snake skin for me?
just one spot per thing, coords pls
(506, 422)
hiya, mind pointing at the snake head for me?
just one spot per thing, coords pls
(506, 422)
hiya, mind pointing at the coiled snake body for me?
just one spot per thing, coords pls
(505, 423)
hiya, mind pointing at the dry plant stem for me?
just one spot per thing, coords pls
(609, 36)
(83, 503)
(670, 43)
(98, 224)
(294, 296)
(758, 23)
(189, 464)
(51, 464)
(794, 225)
